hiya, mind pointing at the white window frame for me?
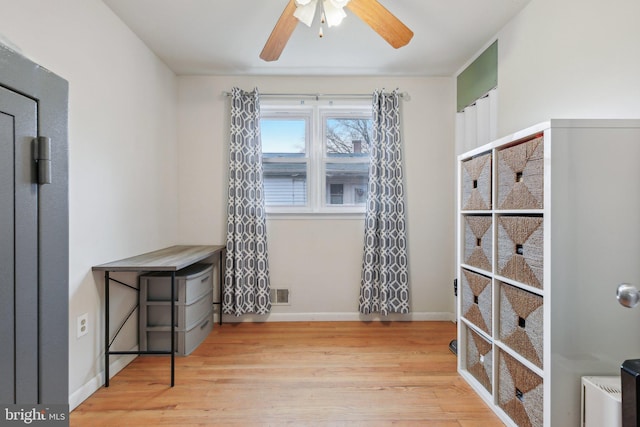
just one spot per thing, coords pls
(316, 112)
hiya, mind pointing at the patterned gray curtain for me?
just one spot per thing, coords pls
(246, 281)
(385, 279)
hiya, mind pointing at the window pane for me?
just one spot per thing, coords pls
(347, 137)
(336, 194)
(285, 184)
(283, 137)
(346, 183)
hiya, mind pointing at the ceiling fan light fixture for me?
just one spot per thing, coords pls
(333, 10)
(305, 11)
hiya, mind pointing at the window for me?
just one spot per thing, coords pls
(285, 160)
(315, 158)
(336, 194)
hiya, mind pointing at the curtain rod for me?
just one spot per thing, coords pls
(317, 96)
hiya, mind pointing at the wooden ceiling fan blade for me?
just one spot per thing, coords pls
(381, 21)
(280, 34)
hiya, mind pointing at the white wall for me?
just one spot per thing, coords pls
(122, 148)
(569, 59)
(320, 260)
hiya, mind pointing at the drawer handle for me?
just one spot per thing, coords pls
(204, 280)
(519, 249)
(204, 324)
(519, 395)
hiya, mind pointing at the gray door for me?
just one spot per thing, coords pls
(18, 250)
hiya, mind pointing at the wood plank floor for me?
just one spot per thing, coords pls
(298, 374)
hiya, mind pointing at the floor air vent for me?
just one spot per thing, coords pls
(279, 296)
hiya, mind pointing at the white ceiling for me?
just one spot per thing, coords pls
(225, 37)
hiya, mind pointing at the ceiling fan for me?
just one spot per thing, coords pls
(371, 12)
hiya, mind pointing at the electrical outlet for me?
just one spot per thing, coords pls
(82, 325)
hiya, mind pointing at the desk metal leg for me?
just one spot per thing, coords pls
(106, 329)
(221, 261)
(173, 327)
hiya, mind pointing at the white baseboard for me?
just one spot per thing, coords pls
(339, 317)
(94, 384)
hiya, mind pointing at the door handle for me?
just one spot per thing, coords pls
(627, 295)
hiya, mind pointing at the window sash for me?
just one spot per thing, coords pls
(344, 165)
(315, 160)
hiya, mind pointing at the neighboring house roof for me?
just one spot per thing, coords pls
(272, 169)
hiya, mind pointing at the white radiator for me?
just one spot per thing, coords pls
(601, 402)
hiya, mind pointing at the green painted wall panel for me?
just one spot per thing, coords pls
(478, 78)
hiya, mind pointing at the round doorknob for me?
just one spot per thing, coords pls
(628, 295)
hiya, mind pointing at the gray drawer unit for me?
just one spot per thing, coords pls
(191, 283)
(158, 338)
(193, 308)
(158, 313)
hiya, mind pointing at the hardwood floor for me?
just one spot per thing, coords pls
(298, 374)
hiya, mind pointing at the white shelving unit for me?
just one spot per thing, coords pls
(548, 225)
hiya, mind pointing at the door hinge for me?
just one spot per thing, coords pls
(42, 156)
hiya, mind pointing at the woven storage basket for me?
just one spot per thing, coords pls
(476, 299)
(479, 359)
(478, 240)
(520, 392)
(476, 183)
(520, 176)
(521, 322)
(520, 249)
